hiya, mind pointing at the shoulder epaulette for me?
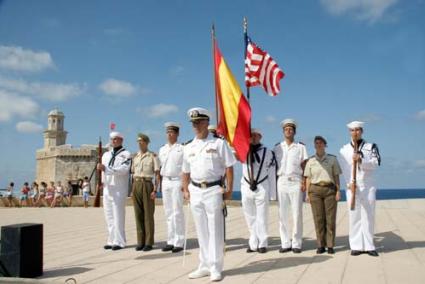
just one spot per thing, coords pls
(331, 155)
(299, 142)
(277, 144)
(187, 142)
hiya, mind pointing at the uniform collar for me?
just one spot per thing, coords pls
(322, 158)
(289, 146)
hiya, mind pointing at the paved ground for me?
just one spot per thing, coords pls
(74, 237)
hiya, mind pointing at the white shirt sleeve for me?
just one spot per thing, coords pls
(304, 153)
(186, 164)
(226, 153)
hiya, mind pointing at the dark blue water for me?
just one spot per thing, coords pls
(383, 194)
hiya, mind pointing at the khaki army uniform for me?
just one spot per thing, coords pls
(143, 169)
(321, 172)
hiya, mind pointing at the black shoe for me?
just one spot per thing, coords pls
(320, 250)
(373, 253)
(139, 248)
(331, 251)
(116, 247)
(296, 250)
(147, 248)
(356, 252)
(168, 248)
(283, 250)
(248, 250)
(262, 250)
(176, 249)
(107, 247)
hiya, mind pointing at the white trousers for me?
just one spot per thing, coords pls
(172, 198)
(207, 212)
(114, 209)
(290, 195)
(362, 219)
(255, 205)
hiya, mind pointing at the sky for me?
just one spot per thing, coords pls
(142, 63)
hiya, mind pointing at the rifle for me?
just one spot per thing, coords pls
(99, 176)
(354, 176)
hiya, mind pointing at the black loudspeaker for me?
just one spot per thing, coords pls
(22, 250)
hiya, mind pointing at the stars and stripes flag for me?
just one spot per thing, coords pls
(261, 69)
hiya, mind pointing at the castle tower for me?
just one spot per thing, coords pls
(55, 134)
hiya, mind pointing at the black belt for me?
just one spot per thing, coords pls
(206, 184)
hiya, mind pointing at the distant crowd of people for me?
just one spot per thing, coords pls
(47, 195)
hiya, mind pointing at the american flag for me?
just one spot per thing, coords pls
(260, 68)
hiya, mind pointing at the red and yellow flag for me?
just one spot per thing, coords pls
(234, 112)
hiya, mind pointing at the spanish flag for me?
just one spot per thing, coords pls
(233, 110)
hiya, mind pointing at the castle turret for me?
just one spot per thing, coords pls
(55, 134)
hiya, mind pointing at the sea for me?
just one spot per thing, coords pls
(381, 194)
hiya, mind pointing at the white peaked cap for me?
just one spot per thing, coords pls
(256, 130)
(355, 124)
(198, 113)
(115, 134)
(171, 124)
(288, 121)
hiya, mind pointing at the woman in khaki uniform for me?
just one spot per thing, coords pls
(322, 172)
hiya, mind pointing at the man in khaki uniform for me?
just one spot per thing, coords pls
(145, 170)
(322, 171)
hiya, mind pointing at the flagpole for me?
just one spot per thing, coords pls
(245, 33)
(214, 73)
(250, 152)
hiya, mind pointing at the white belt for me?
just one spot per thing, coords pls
(171, 178)
(286, 178)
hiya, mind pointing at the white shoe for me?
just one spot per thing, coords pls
(198, 273)
(215, 277)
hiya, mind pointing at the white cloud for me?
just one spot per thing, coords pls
(16, 58)
(28, 127)
(49, 91)
(371, 117)
(116, 32)
(159, 110)
(420, 115)
(176, 70)
(420, 164)
(369, 10)
(117, 88)
(12, 105)
(270, 119)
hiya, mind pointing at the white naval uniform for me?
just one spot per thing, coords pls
(290, 175)
(255, 203)
(206, 160)
(362, 218)
(171, 159)
(115, 188)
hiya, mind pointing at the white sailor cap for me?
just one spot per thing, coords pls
(172, 126)
(256, 130)
(355, 124)
(288, 121)
(212, 127)
(198, 113)
(115, 134)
